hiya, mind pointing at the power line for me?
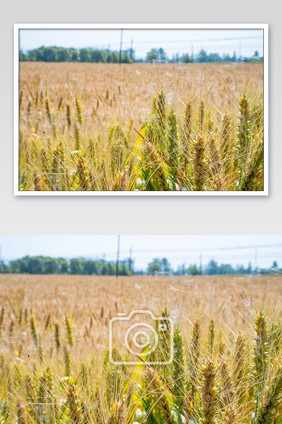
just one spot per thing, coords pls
(208, 249)
(204, 40)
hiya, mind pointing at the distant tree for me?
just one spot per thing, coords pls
(202, 56)
(240, 269)
(90, 268)
(51, 266)
(275, 264)
(83, 55)
(156, 55)
(62, 55)
(212, 268)
(152, 55)
(155, 266)
(214, 57)
(185, 58)
(181, 270)
(35, 266)
(4, 269)
(75, 266)
(193, 270)
(22, 56)
(73, 55)
(165, 266)
(162, 55)
(226, 58)
(63, 266)
(49, 54)
(225, 269)
(96, 56)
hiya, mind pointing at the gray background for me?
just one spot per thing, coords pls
(124, 215)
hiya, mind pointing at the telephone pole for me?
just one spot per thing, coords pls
(256, 260)
(201, 267)
(120, 50)
(118, 247)
(131, 49)
(130, 259)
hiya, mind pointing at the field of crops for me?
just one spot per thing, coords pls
(54, 357)
(146, 127)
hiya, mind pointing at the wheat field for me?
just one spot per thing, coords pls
(141, 127)
(54, 350)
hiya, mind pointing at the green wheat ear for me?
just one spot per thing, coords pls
(178, 370)
(78, 111)
(83, 174)
(76, 137)
(228, 395)
(74, 405)
(187, 130)
(21, 413)
(253, 169)
(117, 414)
(69, 332)
(57, 336)
(244, 131)
(160, 391)
(269, 406)
(2, 314)
(160, 108)
(211, 337)
(260, 357)
(68, 115)
(239, 359)
(67, 361)
(209, 395)
(201, 116)
(50, 117)
(173, 146)
(199, 166)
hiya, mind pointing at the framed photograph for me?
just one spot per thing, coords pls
(141, 109)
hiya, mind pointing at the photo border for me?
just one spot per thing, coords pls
(264, 27)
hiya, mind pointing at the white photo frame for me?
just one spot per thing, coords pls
(264, 27)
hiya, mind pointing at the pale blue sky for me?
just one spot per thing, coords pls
(178, 249)
(243, 42)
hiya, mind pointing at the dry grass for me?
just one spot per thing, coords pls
(55, 365)
(69, 111)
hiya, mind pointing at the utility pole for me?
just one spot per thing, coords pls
(130, 259)
(201, 267)
(192, 56)
(131, 49)
(256, 259)
(120, 50)
(117, 264)
(109, 47)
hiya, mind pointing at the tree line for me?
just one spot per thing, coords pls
(75, 266)
(90, 55)
(82, 266)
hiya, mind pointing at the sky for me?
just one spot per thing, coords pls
(261, 251)
(243, 42)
